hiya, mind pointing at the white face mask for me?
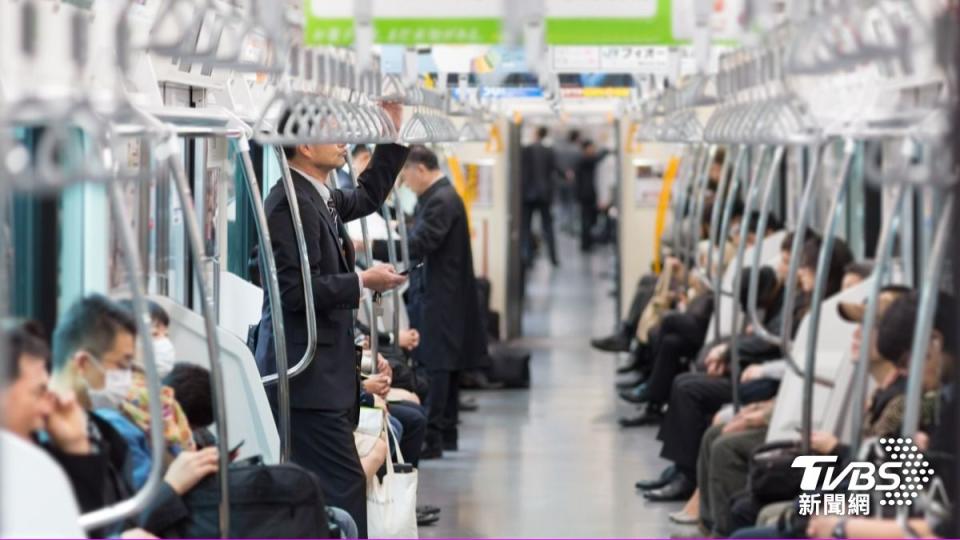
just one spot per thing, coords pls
(408, 199)
(117, 383)
(164, 354)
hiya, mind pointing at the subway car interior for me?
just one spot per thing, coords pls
(513, 268)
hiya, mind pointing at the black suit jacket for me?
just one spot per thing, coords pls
(539, 170)
(445, 305)
(330, 382)
(587, 176)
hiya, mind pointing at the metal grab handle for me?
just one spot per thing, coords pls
(687, 229)
(371, 310)
(703, 181)
(819, 289)
(715, 214)
(392, 255)
(759, 329)
(724, 232)
(738, 278)
(885, 246)
(195, 244)
(149, 491)
(305, 277)
(796, 249)
(402, 229)
(926, 312)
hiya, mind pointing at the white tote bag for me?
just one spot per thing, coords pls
(392, 502)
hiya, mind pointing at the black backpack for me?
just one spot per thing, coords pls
(266, 501)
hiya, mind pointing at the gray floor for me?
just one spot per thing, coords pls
(551, 461)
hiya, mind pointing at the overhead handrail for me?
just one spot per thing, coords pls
(264, 21)
(819, 289)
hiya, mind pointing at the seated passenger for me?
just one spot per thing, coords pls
(726, 448)
(164, 353)
(695, 397)
(893, 339)
(26, 402)
(93, 357)
(682, 335)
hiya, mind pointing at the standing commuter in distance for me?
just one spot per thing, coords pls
(445, 303)
(323, 399)
(539, 173)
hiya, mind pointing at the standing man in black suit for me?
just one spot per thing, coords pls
(445, 302)
(539, 173)
(587, 192)
(323, 399)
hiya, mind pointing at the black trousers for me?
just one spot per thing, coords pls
(588, 218)
(322, 442)
(414, 421)
(680, 336)
(443, 405)
(694, 399)
(545, 210)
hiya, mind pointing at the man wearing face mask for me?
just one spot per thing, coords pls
(94, 348)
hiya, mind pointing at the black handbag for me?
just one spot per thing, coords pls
(771, 477)
(510, 366)
(266, 501)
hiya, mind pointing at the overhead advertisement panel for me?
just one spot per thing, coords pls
(639, 22)
(406, 22)
(609, 22)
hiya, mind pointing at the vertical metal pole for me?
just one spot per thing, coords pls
(195, 243)
(816, 302)
(881, 268)
(736, 329)
(373, 313)
(732, 196)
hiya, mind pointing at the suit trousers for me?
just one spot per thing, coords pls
(443, 404)
(588, 218)
(694, 399)
(322, 442)
(643, 294)
(544, 208)
(680, 336)
(722, 471)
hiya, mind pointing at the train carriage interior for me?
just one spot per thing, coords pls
(479, 269)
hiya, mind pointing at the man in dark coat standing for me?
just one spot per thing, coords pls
(587, 192)
(539, 173)
(323, 398)
(445, 301)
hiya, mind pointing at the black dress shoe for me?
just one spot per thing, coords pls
(424, 520)
(629, 367)
(468, 404)
(637, 394)
(679, 489)
(431, 452)
(630, 382)
(665, 477)
(650, 416)
(614, 343)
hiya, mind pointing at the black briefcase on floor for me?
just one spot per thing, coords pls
(266, 501)
(510, 365)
